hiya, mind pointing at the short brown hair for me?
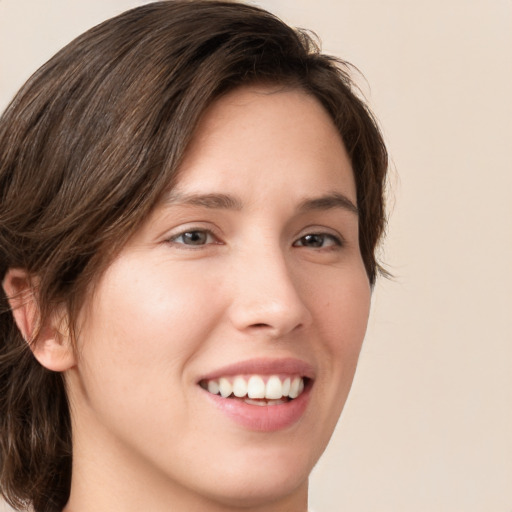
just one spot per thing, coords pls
(86, 149)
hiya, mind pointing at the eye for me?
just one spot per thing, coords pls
(194, 237)
(318, 241)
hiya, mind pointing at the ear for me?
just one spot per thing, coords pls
(50, 343)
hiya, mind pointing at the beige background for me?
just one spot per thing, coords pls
(428, 426)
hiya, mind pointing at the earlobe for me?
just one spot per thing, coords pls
(50, 342)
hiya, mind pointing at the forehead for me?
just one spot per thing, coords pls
(266, 137)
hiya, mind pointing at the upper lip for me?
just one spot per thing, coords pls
(264, 366)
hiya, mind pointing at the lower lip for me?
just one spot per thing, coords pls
(263, 418)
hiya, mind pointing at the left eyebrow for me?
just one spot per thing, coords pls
(327, 202)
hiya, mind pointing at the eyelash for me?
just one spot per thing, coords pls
(207, 232)
(337, 241)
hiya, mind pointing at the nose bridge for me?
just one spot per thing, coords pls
(268, 296)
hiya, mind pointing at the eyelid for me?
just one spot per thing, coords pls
(324, 231)
(336, 242)
(181, 230)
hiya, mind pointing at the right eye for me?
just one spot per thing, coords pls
(194, 237)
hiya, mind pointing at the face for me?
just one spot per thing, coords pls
(218, 349)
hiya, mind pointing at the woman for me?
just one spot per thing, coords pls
(192, 196)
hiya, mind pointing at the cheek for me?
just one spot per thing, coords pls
(342, 317)
(341, 305)
(143, 326)
(136, 342)
(352, 315)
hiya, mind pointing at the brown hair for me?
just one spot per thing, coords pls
(86, 149)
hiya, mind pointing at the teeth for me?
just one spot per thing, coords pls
(255, 390)
(294, 387)
(256, 387)
(213, 387)
(274, 388)
(264, 402)
(286, 386)
(239, 387)
(225, 387)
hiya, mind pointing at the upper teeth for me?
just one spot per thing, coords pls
(254, 386)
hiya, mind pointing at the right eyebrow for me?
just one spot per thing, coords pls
(214, 201)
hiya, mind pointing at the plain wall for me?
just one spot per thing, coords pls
(428, 425)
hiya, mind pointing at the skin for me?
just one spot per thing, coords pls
(165, 314)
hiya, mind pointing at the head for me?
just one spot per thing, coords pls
(93, 145)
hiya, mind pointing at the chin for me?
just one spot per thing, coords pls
(262, 475)
(259, 488)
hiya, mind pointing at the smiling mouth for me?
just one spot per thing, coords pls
(259, 390)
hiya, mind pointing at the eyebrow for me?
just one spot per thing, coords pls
(327, 202)
(214, 201)
(229, 202)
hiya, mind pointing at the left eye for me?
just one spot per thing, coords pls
(194, 237)
(318, 241)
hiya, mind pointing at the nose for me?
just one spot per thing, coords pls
(268, 298)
